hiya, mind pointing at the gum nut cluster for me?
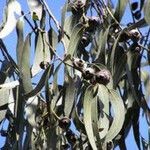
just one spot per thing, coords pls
(89, 73)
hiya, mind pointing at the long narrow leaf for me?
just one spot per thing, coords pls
(87, 107)
(119, 115)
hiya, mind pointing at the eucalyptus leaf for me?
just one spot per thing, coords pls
(119, 116)
(42, 53)
(75, 38)
(87, 106)
(147, 11)
(36, 9)
(119, 12)
(41, 83)
(12, 8)
(103, 98)
(30, 110)
(25, 66)
(20, 40)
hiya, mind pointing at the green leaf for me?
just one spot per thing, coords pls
(69, 24)
(147, 11)
(78, 122)
(102, 41)
(52, 40)
(87, 108)
(119, 12)
(119, 116)
(42, 53)
(95, 122)
(20, 40)
(63, 14)
(36, 9)
(135, 123)
(119, 69)
(25, 66)
(75, 39)
(10, 85)
(103, 97)
(69, 95)
(41, 83)
(114, 51)
(4, 98)
(30, 110)
(12, 8)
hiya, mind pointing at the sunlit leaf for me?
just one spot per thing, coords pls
(119, 115)
(75, 39)
(25, 66)
(69, 24)
(87, 106)
(30, 110)
(20, 40)
(9, 85)
(36, 9)
(103, 97)
(38, 55)
(13, 7)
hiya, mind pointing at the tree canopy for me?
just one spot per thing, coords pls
(89, 95)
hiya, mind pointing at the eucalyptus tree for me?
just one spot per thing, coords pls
(89, 95)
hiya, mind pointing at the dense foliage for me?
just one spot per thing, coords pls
(87, 95)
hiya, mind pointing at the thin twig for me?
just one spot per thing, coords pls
(51, 15)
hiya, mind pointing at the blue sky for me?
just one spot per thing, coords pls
(55, 6)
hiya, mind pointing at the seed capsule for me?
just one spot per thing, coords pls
(103, 77)
(88, 73)
(79, 64)
(44, 65)
(64, 123)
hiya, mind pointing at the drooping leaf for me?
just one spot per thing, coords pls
(119, 115)
(103, 98)
(12, 8)
(63, 14)
(119, 12)
(4, 96)
(147, 11)
(135, 122)
(30, 110)
(94, 117)
(25, 66)
(114, 51)
(36, 9)
(38, 58)
(20, 40)
(75, 38)
(53, 40)
(103, 37)
(87, 106)
(119, 70)
(69, 95)
(9, 85)
(69, 24)
(41, 83)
